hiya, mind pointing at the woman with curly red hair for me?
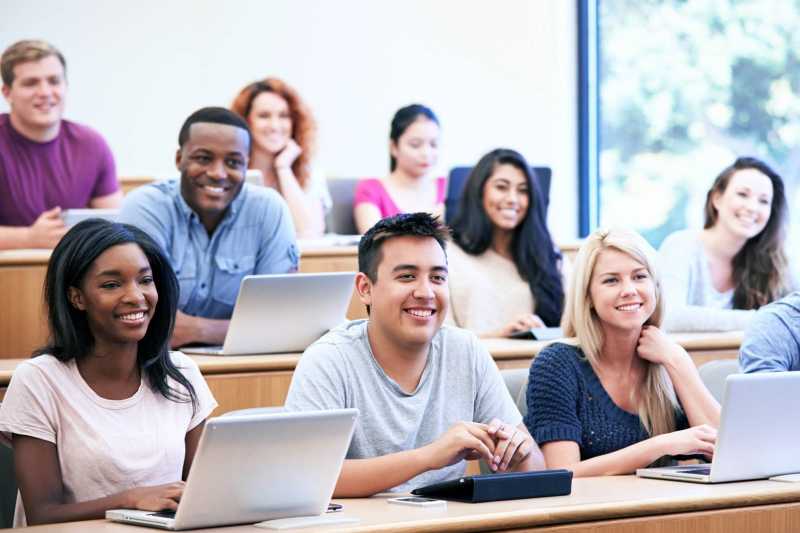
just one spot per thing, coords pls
(284, 132)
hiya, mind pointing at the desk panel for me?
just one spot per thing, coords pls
(128, 183)
(23, 326)
(612, 504)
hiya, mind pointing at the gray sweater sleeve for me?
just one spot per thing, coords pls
(687, 295)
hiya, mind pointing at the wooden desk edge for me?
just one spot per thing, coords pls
(501, 350)
(557, 515)
(570, 514)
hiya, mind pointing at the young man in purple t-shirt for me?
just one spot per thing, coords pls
(46, 163)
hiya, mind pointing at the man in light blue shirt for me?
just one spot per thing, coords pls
(772, 342)
(214, 227)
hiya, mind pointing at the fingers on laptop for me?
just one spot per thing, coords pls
(697, 439)
(157, 498)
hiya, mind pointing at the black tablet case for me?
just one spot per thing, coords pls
(496, 487)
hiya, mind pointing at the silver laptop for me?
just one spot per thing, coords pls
(758, 432)
(279, 313)
(258, 467)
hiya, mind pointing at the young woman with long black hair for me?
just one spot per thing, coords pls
(104, 416)
(505, 272)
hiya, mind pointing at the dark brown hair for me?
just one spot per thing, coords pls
(760, 269)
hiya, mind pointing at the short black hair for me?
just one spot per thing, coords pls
(213, 115)
(70, 334)
(406, 224)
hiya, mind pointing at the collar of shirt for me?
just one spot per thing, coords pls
(189, 214)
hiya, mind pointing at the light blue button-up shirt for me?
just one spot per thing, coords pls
(255, 236)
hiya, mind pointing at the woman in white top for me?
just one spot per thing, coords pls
(105, 416)
(715, 279)
(284, 132)
(504, 272)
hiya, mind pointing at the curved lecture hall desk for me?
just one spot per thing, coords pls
(23, 324)
(618, 504)
(244, 381)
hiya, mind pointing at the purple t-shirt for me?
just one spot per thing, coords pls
(68, 171)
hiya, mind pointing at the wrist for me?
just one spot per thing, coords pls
(124, 500)
(660, 447)
(29, 238)
(423, 457)
(677, 358)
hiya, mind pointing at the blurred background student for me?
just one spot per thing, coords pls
(715, 279)
(284, 135)
(409, 187)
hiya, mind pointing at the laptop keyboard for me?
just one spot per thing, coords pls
(702, 471)
(164, 514)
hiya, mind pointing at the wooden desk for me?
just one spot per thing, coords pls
(621, 504)
(243, 381)
(23, 326)
(128, 183)
(703, 347)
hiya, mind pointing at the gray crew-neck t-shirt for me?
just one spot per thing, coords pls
(460, 382)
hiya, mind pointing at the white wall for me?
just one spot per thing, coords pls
(499, 73)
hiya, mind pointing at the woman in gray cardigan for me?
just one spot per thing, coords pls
(715, 279)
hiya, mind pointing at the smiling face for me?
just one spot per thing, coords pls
(505, 197)
(417, 149)
(744, 207)
(409, 298)
(36, 96)
(622, 291)
(212, 162)
(118, 294)
(270, 122)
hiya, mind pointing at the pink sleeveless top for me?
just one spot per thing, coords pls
(372, 191)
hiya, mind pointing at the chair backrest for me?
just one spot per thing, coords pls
(714, 373)
(255, 411)
(8, 486)
(340, 217)
(458, 177)
(516, 380)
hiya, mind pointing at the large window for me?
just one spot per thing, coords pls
(684, 87)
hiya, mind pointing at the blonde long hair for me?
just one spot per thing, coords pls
(657, 400)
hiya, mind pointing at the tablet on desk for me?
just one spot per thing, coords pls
(73, 216)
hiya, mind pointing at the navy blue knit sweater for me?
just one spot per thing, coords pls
(566, 401)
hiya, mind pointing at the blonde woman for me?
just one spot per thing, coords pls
(628, 395)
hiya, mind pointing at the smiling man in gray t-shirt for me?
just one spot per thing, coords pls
(429, 396)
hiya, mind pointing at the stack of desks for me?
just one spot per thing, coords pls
(620, 504)
(243, 381)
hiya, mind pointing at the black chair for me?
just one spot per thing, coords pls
(458, 177)
(8, 486)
